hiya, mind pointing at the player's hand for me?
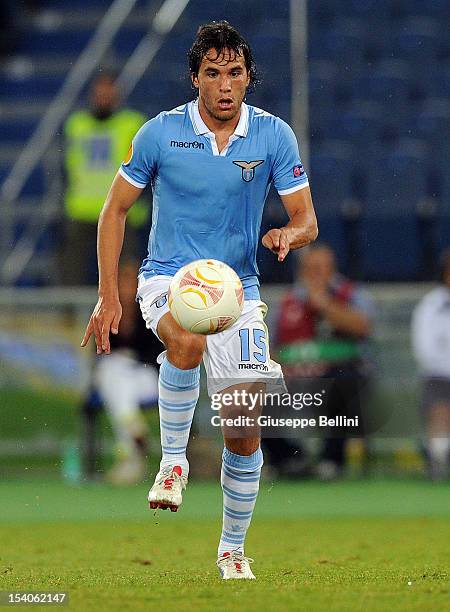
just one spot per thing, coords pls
(104, 319)
(278, 242)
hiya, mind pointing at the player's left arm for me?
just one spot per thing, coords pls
(301, 228)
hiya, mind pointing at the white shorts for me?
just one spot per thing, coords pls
(238, 354)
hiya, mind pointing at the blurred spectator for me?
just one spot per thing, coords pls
(126, 380)
(322, 331)
(97, 141)
(431, 345)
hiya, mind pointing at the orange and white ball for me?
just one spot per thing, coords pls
(206, 296)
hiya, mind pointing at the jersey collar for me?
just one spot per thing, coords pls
(200, 127)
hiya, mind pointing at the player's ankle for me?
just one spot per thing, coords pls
(173, 461)
(222, 550)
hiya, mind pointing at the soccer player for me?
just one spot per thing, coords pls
(210, 163)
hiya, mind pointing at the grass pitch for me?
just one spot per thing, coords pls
(377, 545)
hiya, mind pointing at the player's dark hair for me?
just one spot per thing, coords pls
(220, 35)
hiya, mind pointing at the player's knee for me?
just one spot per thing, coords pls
(185, 350)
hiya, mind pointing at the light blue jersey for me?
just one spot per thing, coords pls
(208, 204)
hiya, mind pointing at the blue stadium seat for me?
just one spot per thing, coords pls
(322, 84)
(47, 240)
(321, 13)
(55, 42)
(275, 24)
(331, 177)
(389, 86)
(331, 187)
(234, 11)
(433, 82)
(283, 110)
(37, 86)
(85, 4)
(365, 8)
(160, 94)
(430, 8)
(128, 39)
(418, 41)
(433, 124)
(379, 47)
(266, 96)
(390, 231)
(359, 127)
(398, 182)
(36, 183)
(343, 43)
(444, 197)
(266, 47)
(325, 11)
(12, 130)
(173, 52)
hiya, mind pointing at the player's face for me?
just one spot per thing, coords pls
(222, 82)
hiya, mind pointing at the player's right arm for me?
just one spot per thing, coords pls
(111, 227)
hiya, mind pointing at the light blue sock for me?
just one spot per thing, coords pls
(178, 395)
(240, 484)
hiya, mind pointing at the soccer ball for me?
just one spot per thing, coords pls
(206, 296)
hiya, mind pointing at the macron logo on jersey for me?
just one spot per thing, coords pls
(187, 145)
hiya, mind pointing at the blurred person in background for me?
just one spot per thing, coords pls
(322, 331)
(431, 346)
(96, 141)
(126, 380)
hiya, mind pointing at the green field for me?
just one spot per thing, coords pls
(342, 546)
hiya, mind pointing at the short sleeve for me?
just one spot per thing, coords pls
(288, 174)
(139, 166)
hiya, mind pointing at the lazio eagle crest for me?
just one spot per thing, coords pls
(248, 168)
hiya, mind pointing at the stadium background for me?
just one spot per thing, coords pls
(374, 124)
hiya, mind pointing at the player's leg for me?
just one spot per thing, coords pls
(118, 384)
(233, 356)
(242, 460)
(179, 386)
